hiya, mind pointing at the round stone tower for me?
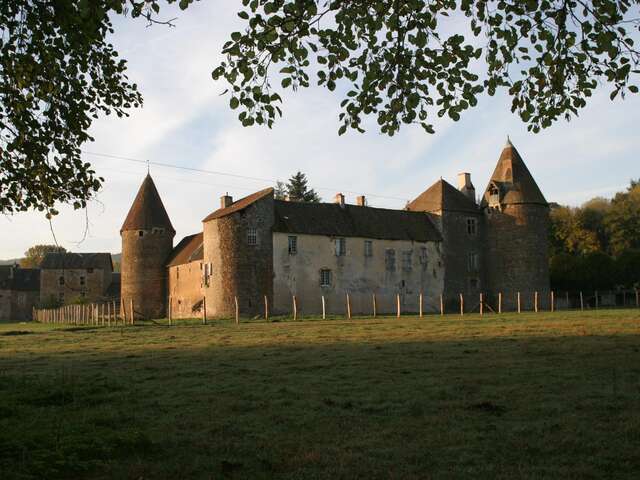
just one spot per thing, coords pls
(147, 241)
(517, 222)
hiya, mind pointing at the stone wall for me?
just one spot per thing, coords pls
(96, 282)
(517, 255)
(143, 270)
(356, 274)
(237, 268)
(186, 290)
(17, 305)
(458, 244)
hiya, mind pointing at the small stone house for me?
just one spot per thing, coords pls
(19, 292)
(259, 250)
(69, 277)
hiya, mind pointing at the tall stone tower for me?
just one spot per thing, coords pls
(517, 220)
(147, 241)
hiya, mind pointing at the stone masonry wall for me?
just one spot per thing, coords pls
(95, 285)
(355, 273)
(143, 270)
(517, 255)
(186, 289)
(237, 268)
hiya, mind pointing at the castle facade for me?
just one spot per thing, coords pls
(259, 250)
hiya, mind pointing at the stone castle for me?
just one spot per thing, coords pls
(260, 249)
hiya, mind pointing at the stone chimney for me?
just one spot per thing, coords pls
(226, 200)
(339, 199)
(466, 187)
(361, 201)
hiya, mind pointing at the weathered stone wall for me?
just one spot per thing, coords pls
(17, 305)
(186, 290)
(95, 285)
(238, 269)
(143, 270)
(517, 254)
(5, 305)
(356, 274)
(458, 244)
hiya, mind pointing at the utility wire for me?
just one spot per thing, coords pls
(226, 174)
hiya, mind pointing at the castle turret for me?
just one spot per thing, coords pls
(517, 229)
(147, 241)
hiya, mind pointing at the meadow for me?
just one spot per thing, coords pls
(549, 395)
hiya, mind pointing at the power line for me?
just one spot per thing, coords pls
(226, 174)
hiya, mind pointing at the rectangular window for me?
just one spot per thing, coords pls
(293, 245)
(82, 281)
(406, 260)
(472, 227)
(390, 259)
(89, 270)
(341, 247)
(423, 255)
(60, 280)
(368, 248)
(252, 236)
(325, 277)
(473, 262)
(61, 297)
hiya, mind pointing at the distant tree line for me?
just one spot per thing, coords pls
(597, 246)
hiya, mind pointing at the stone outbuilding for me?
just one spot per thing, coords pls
(19, 292)
(76, 277)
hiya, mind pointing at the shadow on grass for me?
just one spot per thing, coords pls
(525, 407)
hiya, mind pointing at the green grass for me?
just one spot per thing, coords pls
(511, 396)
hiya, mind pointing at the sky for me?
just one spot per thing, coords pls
(186, 122)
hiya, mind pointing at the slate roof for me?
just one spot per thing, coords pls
(188, 250)
(79, 261)
(19, 279)
(147, 210)
(443, 196)
(331, 219)
(239, 205)
(513, 179)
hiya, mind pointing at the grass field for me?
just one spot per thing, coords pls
(515, 396)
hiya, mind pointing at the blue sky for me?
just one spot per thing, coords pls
(186, 122)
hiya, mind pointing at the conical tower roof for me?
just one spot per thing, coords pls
(147, 211)
(442, 196)
(512, 177)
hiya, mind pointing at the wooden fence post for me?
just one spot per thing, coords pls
(553, 302)
(637, 298)
(399, 310)
(123, 313)
(499, 302)
(441, 305)
(375, 306)
(348, 307)
(481, 304)
(581, 301)
(169, 310)
(204, 310)
(461, 305)
(235, 299)
(421, 306)
(519, 303)
(108, 314)
(295, 309)
(266, 308)
(133, 316)
(324, 308)
(535, 301)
